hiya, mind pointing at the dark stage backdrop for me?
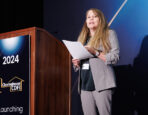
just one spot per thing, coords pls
(64, 19)
(19, 14)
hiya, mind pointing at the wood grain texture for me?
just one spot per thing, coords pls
(50, 91)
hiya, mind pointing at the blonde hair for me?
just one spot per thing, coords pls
(101, 33)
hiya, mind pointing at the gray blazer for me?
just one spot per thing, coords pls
(103, 74)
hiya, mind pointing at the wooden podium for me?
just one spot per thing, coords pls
(50, 73)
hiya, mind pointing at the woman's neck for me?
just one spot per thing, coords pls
(92, 32)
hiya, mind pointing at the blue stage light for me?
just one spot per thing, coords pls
(10, 46)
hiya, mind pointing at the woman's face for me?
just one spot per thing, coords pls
(92, 20)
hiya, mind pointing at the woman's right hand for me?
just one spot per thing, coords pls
(76, 62)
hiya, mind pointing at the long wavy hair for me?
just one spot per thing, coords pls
(101, 34)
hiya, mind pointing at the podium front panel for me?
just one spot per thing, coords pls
(15, 75)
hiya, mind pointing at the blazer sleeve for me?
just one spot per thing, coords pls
(112, 56)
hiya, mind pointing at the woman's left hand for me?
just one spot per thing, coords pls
(102, 56)
(91, 50)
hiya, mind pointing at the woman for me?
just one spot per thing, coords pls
(97, 79)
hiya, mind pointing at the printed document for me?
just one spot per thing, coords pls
(77, 50)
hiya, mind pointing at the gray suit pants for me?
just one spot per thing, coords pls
(93, 101)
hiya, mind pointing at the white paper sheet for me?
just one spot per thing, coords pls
(77, 50)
